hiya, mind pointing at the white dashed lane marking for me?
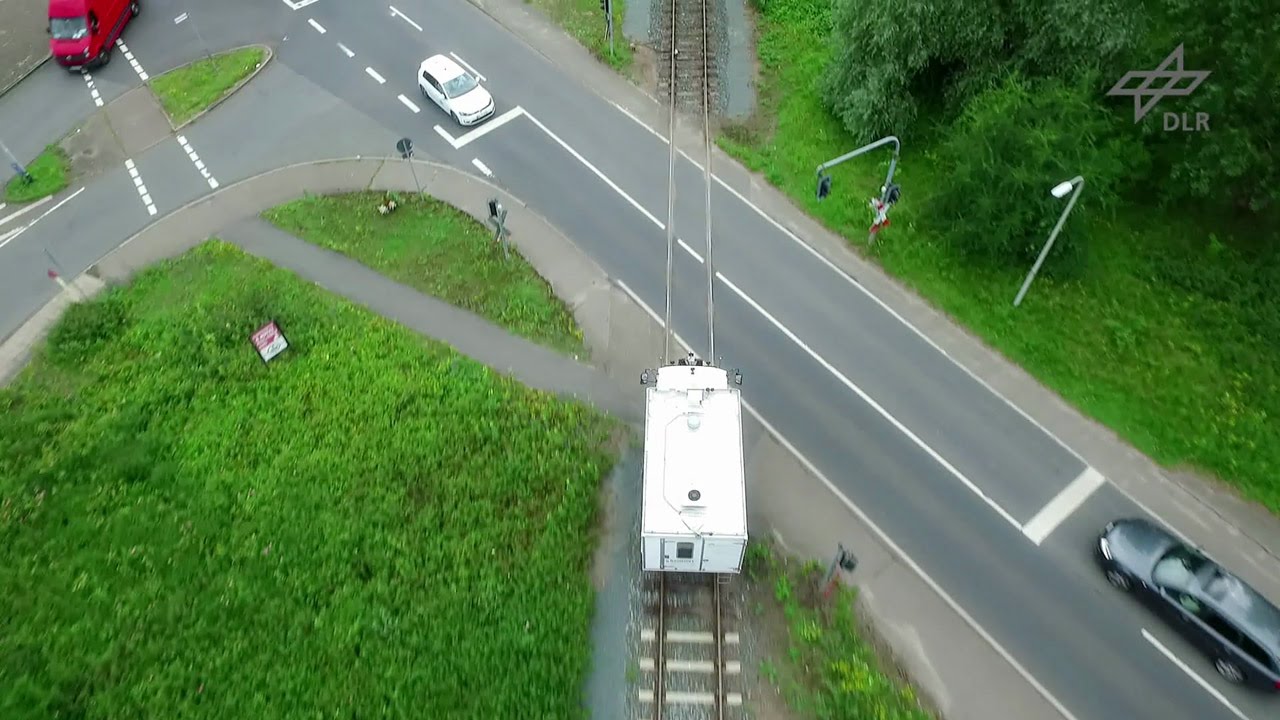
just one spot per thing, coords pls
(93, 91)
(482, 167)
(374, 74)
(137, 66)
(191, 153)
(346, 50)
(142, 189)
(409, 103)
(395, 12)
(319, 28)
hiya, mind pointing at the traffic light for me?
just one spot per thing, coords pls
(892, 192)
(824, 186)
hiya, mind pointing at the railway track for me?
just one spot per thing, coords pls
(689, 652)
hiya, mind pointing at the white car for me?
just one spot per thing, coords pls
(455, 90)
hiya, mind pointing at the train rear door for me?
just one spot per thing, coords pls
(681, 554)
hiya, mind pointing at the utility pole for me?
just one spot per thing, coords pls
(607, 7)
(1058, 191)
(498, 219)
(404, 146)
(17, 166)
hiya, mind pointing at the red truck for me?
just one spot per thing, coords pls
(82, 33)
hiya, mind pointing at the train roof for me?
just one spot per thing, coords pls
(694, 479)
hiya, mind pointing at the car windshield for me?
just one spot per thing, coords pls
(460, 86)
(68, 28)
(1178, 568)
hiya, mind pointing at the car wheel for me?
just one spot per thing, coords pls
(135, 7)
(1118, 580)
(1229, 670)
(104, 56)
(456, 118)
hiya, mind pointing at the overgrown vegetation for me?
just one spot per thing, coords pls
(585, 22)
(49, 174)
(440, 250)
(189, 90)
(830, 671)
(369, 525)
(1158, 314)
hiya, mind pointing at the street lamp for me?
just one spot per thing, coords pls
(1059, 191)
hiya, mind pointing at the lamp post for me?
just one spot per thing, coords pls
(1059, 191)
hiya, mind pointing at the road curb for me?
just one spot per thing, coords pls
(26, 74)
(225, 96)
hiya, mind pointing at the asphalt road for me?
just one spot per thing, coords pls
(948, 469)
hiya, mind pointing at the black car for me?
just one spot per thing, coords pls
(1238, 628)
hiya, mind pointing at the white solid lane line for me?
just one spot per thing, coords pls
(1063, 504)
(19, 213)
(467, 65)
(402, 16)
(875, 529)
(195, 159)
(482, 167)
(137, 66)
(408, 103)
(374, 74)
(1194, 676)
(801, 344)
(319, 28)
(445, 134)
(13, 235)
(489, 126)
(346, 50)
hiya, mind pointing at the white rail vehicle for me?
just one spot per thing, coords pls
(694, 512)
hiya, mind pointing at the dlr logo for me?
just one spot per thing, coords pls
(1180, 121)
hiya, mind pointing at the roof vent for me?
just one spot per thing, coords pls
(695, 421)
(694, 496)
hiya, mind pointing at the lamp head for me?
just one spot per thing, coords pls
(1061, 189)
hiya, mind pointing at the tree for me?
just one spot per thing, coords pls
(1234, 163)
(893, 58)
(1012, 144)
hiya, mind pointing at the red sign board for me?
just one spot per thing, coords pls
(269, 341)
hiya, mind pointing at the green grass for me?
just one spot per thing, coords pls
(441, 251)
(189, 90)
(585, 22)
(369, 526)
(49, 173)
(1187, 377)
(830, 670)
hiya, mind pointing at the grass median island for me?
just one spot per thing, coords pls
(826, 667)
(1167, 349)
(371, 524)
(440, 250)
(49, 173)
(189, 90)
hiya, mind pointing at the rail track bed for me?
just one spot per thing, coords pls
(690, 666)
(685, 45)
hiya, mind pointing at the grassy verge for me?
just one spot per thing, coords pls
(440, 250)
(49, 173)
(187, 91)
(187, 531)
(1182, 372)
(828, 669)
(585, 22)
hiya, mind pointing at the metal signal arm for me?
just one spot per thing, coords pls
(893, 162)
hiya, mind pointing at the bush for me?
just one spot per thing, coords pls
(894, 61)
(1012, 145)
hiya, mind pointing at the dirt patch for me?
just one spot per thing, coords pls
(92, 148)
(644, 68)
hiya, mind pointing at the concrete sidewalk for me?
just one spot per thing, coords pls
(24, 46)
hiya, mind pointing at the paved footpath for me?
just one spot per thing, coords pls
(24, 46)
(960, 672)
